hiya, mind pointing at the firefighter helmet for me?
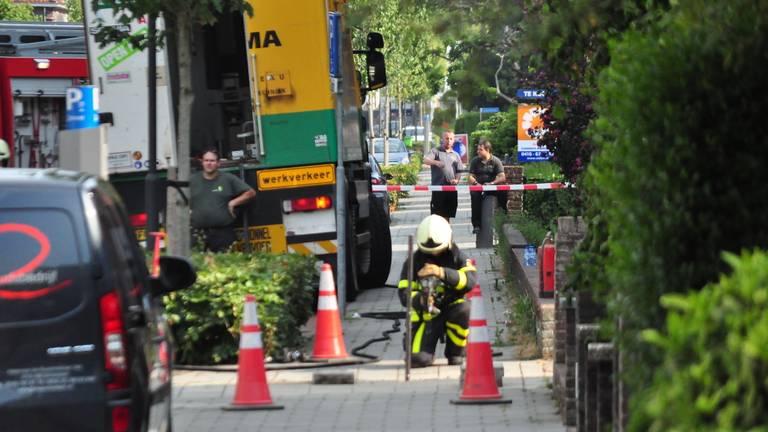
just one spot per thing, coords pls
(433, 236)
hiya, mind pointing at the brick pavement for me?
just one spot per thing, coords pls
(380, 399)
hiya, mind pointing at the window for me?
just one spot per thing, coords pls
(41, 274)
(32, 38)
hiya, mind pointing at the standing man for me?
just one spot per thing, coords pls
(445, 165)
(485, 168)
(215, 196)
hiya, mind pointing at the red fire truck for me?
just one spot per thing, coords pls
(38, 61)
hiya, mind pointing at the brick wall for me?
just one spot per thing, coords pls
(570, 232)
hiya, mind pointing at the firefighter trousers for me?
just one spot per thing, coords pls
(426, 330)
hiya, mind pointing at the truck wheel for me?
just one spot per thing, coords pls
(380, 251)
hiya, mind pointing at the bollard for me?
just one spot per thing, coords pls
(484, 238)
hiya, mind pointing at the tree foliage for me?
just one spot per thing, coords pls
(74, 10)
(10, 11)
(414, 68)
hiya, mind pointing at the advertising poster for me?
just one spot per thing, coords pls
(461, 146)
(530, 128)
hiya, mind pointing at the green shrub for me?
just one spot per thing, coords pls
(714, 370)
(501, 130)
(531, 229)
(407, 174)
(205, 318)
(542, 172)
(467, 122)
(681, 133)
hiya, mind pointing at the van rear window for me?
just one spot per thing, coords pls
(39, 265)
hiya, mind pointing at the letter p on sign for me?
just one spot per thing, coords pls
(74, 95)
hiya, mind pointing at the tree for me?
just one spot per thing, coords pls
(16, 12)
(74, 10)
(185, 15)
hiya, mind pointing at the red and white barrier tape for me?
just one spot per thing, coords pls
(464, 188)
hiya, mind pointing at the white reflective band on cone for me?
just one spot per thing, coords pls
(327, 303)
(250, 340)
(478, 334)
(326, 281)
(477, 308)
(250, 316)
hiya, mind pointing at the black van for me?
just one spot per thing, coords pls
(83, 342)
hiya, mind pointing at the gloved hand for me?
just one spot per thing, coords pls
(431, 270)
(420, 302)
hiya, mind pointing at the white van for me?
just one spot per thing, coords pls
(417, 132)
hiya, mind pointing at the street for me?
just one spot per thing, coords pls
(381, 399)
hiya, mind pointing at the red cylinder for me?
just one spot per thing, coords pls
(547, 270)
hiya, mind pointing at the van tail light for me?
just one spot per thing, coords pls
(116, 363)
(322, 202)
(376, 181)
(121, 419)
(138, 220)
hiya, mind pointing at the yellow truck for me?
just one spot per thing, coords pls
(276, 92)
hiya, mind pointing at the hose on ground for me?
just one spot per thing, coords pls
(395, 316)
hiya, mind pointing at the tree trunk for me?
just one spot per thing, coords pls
(386, 129)
(177, 220)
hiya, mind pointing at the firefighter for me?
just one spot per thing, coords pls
(441, 310)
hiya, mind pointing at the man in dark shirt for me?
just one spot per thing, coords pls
(215, 195)
(445, 165)
(485, 168)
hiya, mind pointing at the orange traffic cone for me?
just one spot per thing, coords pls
(252, 392)
(329, 342)
(480, 379)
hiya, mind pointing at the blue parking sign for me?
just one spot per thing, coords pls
(82, 105)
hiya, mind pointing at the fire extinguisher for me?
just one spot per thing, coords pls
(547, 268)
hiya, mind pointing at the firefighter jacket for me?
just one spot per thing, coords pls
(460, 275)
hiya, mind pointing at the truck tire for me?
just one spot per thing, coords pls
(380, 251)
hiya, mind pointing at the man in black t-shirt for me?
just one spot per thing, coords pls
(485, 168)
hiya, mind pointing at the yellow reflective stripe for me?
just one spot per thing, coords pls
(462, 280)
(416, 346)
(328, 245)
(300, 249)
(463, 275)
(404, 284)
(458, 329)
(457, 301)
(458, 341)
(415, 316)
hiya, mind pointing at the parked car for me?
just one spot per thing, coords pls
(83, 342)
(398, 154)
(378, 177)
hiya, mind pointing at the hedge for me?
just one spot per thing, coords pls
(683, 145)
(205, 318)
(714, 370)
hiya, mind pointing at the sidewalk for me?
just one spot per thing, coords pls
(381, 399)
